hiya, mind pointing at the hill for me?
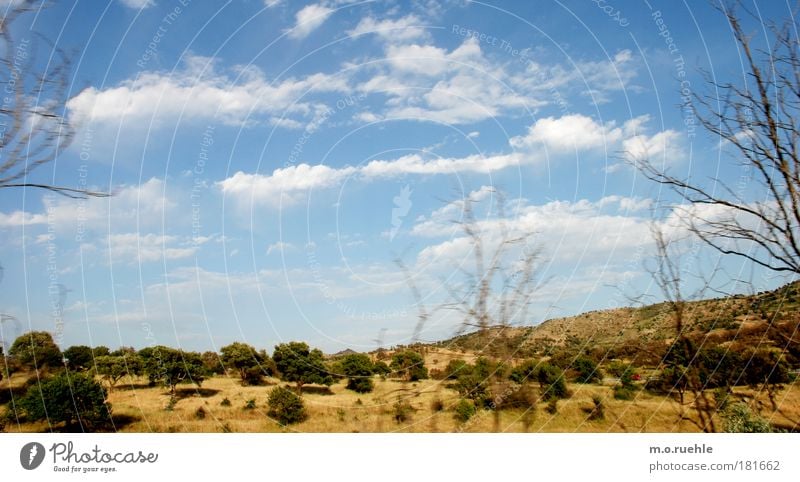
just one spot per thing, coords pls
(736, 317)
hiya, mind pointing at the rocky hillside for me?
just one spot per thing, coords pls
(720, 317)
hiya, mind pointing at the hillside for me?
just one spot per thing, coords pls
(725, 318)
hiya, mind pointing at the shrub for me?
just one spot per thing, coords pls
(455, 368)
(250, 404)
(360, 385)
(381, 368)
(525, 372)
(225, 402)
(622, 392)
(464, 410)
(586, 371)
(72, 399)
(511, 395)
(552, 383)
(358, 368)
(409, 365)
(437, 405)
(401, 411)
(552, 406)
(200, 413)
(286, 407)
(738, 418)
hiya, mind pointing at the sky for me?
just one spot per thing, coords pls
(271, 161)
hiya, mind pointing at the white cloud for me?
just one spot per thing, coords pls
(138, 4)
(197, 93)
(398, 30)
(280, 247)
(135, 248)
(569, 132)
(21, 218)
(285, 185)
(662, 146)
(308, 19)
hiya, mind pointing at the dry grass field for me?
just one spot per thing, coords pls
(139, 408)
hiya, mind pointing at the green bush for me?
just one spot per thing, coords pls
(409, 365)
(360, 385)
(738, 418)
(622, 392)
(36, 349)
(525, 372)
(586, 370)
(286, 407)
(552, 383)
(464, 410)
(358, 368)
(250, 404)
(75, 399)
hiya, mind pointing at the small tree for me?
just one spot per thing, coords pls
(358, 369)
(552, 383)
(286, 407)
(409, 365)
(586, 370)
(69, 398)
(78, 357)
(248, 362)
(298, 364)
(171, 366)
(35, 350)
(767, 371)
(113, 368)
(212, 362)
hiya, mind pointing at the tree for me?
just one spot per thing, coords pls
(586, 371)
(112, 368)
(171, 366)
(249, 363)
(552, 383)
(409, 365)
(34, 110)
(358, 369)
(298, 364)
(760, 121)
(766, 370)
(213, 362)
(78, 357)
(285, 406)
(70, 398)
(36, 349)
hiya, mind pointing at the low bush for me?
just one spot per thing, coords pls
(464, 410)
(286, 407)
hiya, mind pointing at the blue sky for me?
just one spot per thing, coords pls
(271, 159)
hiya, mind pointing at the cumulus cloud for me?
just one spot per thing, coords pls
(283, 186)
(397, 30)
(199, 93)
(308, 19)
(138, 4)
(135, 248)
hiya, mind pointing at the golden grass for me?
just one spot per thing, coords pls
(138, 408)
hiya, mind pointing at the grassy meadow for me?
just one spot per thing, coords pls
(137, 407)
